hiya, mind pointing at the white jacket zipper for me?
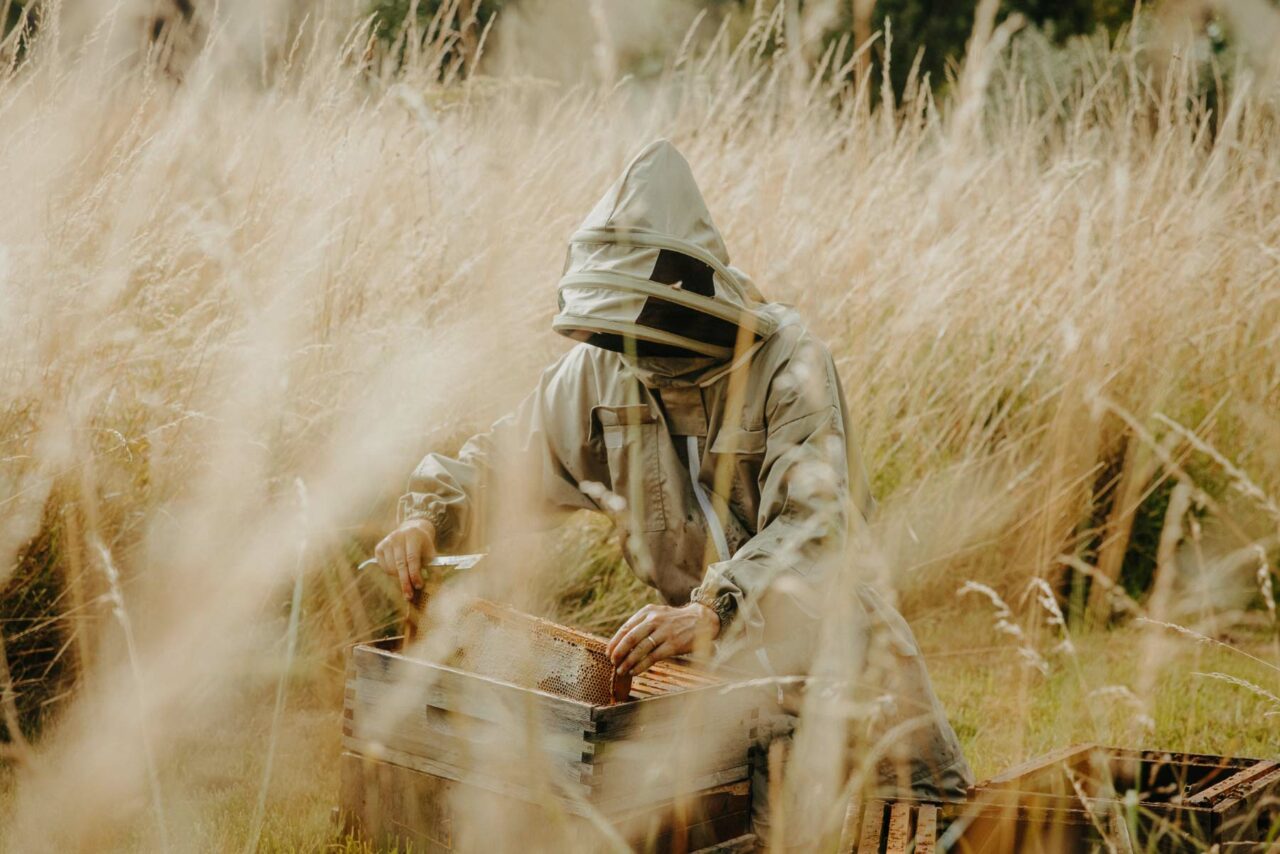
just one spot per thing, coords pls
(704, 503)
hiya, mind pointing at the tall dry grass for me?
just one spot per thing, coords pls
(245, 285)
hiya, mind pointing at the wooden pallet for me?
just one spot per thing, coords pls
(898, 827)
(1135, 799)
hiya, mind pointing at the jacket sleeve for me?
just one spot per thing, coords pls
(517, 473)
(812, 488)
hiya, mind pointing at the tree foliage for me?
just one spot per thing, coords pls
(937, 30)
(408, 24)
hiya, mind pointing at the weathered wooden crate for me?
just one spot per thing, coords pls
(391, 804)
(681, 736)
(1141, 800)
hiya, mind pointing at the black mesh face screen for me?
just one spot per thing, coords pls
(619, 344)
(684, 273)
(687, 322)
(696, 277)
(692, 275)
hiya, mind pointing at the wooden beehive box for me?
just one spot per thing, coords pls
(1141, 800)
(391, 805)
(672, 760)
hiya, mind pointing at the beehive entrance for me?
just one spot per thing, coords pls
(501, 643)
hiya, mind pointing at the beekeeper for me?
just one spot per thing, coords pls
(711, 426)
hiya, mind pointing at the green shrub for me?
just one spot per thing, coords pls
(34, 620)
(461, 22)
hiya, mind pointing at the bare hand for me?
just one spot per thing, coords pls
(405, 551)
(658, 632)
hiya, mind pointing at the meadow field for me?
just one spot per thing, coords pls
(250, 273)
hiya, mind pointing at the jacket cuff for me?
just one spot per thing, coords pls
(415, 505)
(742, 630)
(724, 604)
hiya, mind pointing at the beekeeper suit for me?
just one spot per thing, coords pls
(711, 427)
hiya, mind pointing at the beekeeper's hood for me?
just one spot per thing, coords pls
(647, 273)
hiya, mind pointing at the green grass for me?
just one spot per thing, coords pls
(1006, 712)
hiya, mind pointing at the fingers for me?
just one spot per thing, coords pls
(632, 621)
(403, 553)
(626, 646)
(413, 557)
(648, 638)
(401, 564)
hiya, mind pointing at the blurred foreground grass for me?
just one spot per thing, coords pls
(1004, 712)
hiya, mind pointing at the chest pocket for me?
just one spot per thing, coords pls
(738, 456)
(629, 435)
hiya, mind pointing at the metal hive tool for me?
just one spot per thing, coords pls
(501, 643)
